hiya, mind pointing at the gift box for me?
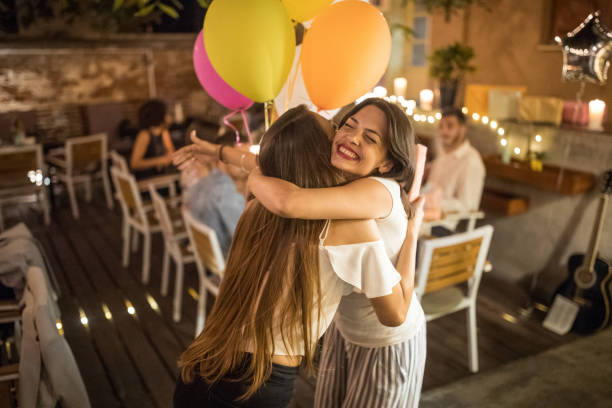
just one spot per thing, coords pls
(541, 109)
(477, 96)
(575, 113)
(504, 104)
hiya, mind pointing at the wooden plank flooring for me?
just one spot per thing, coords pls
(130, 360)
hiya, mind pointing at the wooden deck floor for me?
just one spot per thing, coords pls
(129, 360)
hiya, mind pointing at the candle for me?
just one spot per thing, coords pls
(537, 146)
(426, 99)
(380, 92)
(597, 108)
(399, 86)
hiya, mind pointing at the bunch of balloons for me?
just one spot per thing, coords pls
(247, 52)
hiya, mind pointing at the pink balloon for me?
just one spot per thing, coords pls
(213, 83)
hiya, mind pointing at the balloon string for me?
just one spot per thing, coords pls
(292, 80)
(246, 126)
(267, 114)
(228, 124)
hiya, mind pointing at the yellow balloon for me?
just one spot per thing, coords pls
(304, 10)
(250, 44)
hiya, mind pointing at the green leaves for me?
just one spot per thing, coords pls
(117, 4)
(149, 8)
(204, 3)
(145, 11)
(451, 62)
(168, 10)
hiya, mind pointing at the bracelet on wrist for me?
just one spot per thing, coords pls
(220, 152)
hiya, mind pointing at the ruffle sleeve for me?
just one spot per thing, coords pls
(365, 266)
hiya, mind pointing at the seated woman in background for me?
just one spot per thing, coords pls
(153, 149)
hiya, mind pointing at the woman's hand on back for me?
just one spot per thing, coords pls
(200, 150)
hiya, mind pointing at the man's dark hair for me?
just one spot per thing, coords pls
(456, 112)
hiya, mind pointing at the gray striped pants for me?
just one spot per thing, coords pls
(354, 376)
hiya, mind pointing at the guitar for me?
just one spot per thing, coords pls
(589, 278)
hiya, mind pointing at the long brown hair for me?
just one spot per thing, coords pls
(271, 283)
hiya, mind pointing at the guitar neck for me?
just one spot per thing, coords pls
(591, 254)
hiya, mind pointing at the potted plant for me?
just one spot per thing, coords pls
(449, 64)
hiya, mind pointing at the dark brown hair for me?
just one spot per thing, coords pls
(152, 113)
(271, 283)
(456, 112)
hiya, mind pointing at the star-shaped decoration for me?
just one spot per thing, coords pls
(586, 51)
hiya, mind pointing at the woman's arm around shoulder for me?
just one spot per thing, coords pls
(360, 199)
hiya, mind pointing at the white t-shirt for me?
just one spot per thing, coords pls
(356, 318)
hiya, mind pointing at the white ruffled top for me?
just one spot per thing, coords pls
(356, 318)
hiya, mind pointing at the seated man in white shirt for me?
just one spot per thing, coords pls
(456, 178)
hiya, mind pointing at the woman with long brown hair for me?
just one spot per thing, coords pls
(276, 299)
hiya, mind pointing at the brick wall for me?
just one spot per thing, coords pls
(57, 87)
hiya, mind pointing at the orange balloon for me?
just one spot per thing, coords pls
(345, 53)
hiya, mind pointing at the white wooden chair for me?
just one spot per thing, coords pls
(445, 265)
(82, 160)
(176, 247)
(164, 181)
(22, 178)
(208, 255)
(136, 217)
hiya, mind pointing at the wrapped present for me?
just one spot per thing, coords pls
(541, 109)
(575, 113)
(504, 104)
(477, 96)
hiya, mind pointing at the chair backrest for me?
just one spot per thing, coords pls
(452, 260)
(161, 209)
(128, 195)
(40, 335)
(19, 164)
(205, 244)
(87, 152)
(119, 161)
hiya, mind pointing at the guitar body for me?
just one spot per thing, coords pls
(594, 301)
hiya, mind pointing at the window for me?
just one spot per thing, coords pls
(420, 27)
